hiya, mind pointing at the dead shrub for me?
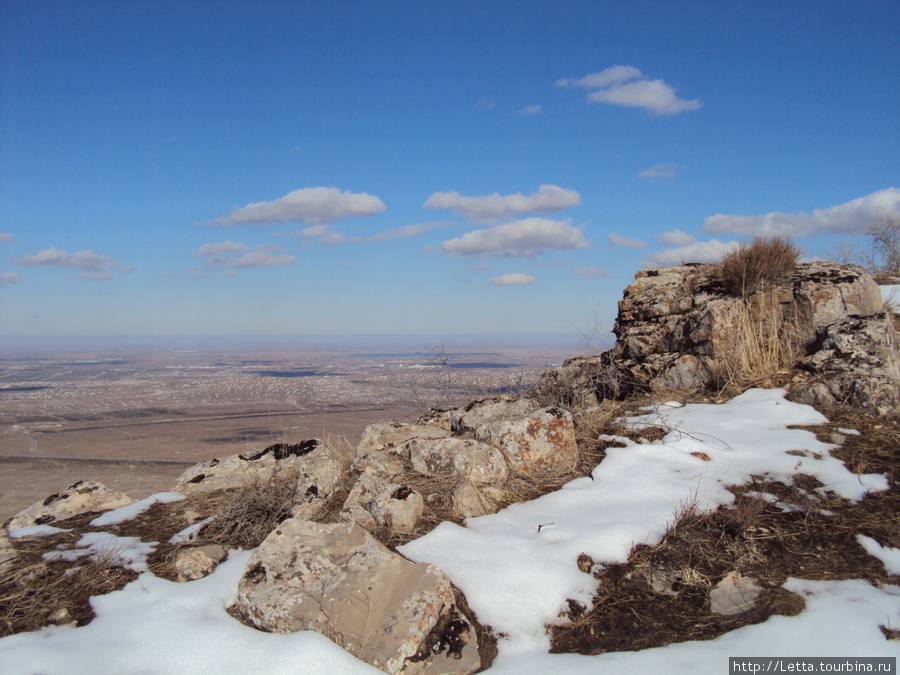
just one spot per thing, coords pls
(249, 514)
(764, 262)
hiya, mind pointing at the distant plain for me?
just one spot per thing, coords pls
(135, 417)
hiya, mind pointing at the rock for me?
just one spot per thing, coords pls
(78, 498)
(377, 462)
(479, 413)
(338, 580)
(815, 394)
(319, 472)
(7, 553)
(735, 594)
(198, 562)
(678, 328)
(463, 458)
(375, 501)
(859, 359)
(471, 501)
(538, 442)
(387, 436)
(61, 617)
(656, 579)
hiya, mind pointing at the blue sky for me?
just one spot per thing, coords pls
(420, 167)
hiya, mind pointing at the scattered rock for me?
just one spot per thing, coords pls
(81, 497)
(471, 501)
(378, 462)
(734, 594)
(479, 413)
(374, 501)
(815, 394)
(387, 436)
(337, 579)
(199, 561)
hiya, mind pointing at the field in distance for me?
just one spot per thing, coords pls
(134, 418)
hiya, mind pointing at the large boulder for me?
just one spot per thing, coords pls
(387, 436)
(85, 496)
(318, 470)
(338, 580)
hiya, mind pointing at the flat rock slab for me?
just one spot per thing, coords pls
(85, 496)
(338, 580)
(543, 440)
(735, 594)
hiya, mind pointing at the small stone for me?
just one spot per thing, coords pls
(735, 594)
(198, 562)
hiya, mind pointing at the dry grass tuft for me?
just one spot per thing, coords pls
(769, 343)
(249, 514)
(764, 262)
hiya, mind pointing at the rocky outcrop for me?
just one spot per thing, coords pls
(338, 580)
(85, 496)
(375, 502)
(678, 328)
(314, 463)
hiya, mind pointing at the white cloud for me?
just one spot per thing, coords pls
(480, 267)
(697, 252)
(627, 86)
(218, 249)
(621, 240)
(675, 238)
(306, 205)
(96, 276)
(90, 264)
(7, 278)
(529, 111)
(401, 232)
(516, 279)
(590, 272)
(6, 237)
(324, 232)
(665, 170)
(493, 207)
(333, 238)
(264, 255)
(852, 217)
(521, 238)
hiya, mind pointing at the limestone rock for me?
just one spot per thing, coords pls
(541, 441)
(464, 458)
(471, 501)
(478, 413)
(198, 562)
(7, 553)
(318, 470)
(374, 500)
(82, 497)
(735, 594)
(338, 580)
(859, 359)
(387, 436)
(378, 462)
(816, 394)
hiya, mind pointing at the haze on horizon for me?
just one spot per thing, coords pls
(401, 168)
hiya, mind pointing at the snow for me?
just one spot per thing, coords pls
(129, 552)
(35, 531)
(890, 295)
(134, 509)
(887, 555)
(517, 567)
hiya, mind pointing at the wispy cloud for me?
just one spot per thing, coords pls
(675, 238)
(324, 232)
(529, 111)
(590, 272)
(306, 205)
(236, 255)
(627, 86)
(522, 238)
(621, 240)
(696, 252)
(91, 265)
(852, 217)
(6, 237)
(402, 232)
(515, 279)
(487, 208)
(480, 267)
(7, 278)
(665, 170)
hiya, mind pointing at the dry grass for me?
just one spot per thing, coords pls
(769, 344)
(760, 264)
